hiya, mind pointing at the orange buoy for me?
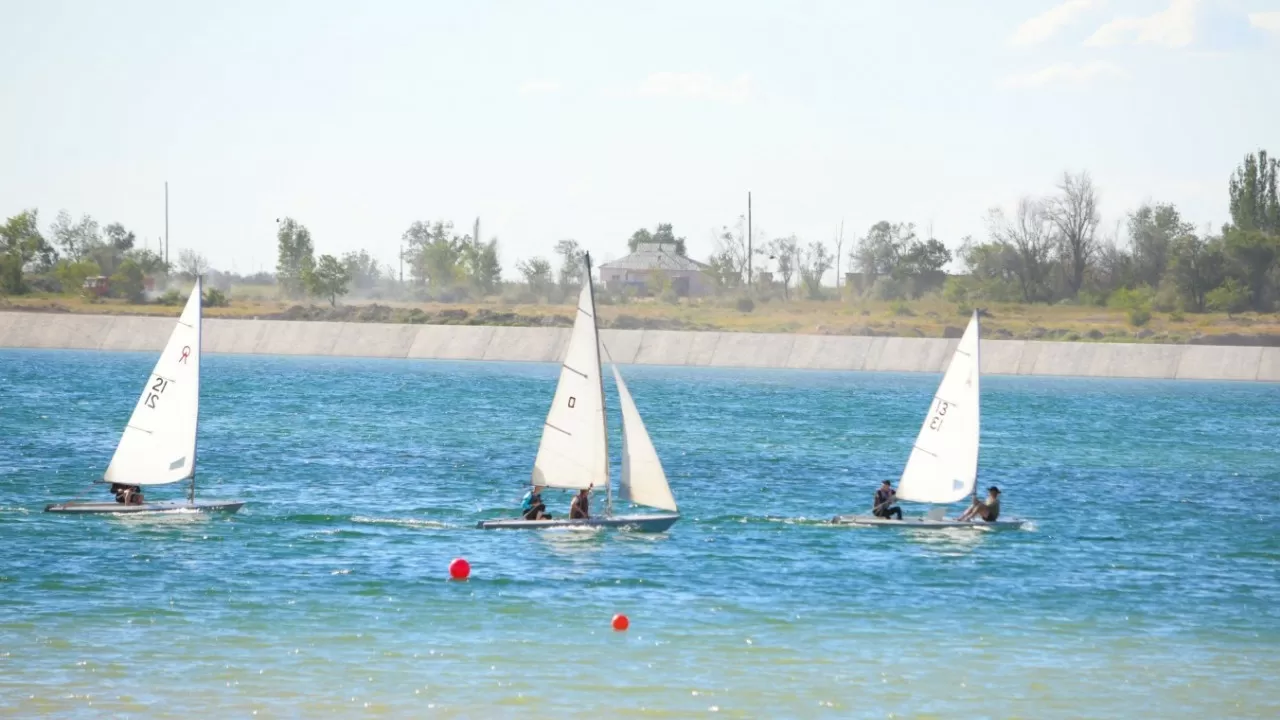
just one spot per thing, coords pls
(620, 622)
(459, 569)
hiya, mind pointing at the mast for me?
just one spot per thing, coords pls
(977, 377)
(191, 494)
(604, 415)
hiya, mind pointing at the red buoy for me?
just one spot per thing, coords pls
(620, 622)
(459, 569)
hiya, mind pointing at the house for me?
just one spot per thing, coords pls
(647, 268)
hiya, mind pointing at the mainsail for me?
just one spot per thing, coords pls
(574, 449)
(643, 480)
(159, 442)
(943, 466)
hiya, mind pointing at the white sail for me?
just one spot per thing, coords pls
(574, 449)
(159, 443)
(643, 480)
(943, 466)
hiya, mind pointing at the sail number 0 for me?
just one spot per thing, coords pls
(156, 391)
(935, 422)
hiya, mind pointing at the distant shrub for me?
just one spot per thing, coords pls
(901, 308)
(1166, 298)
(1131, 298)
(1091, 297)
(745, 304)
(669, 296)
(964, 310)
(1071, 337)
(1229, 297)
(1139, 316)
(888, 288)
(213, 297)
(171, 297)
(1176, 316)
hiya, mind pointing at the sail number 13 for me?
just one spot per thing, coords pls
(939, 414)
(157, 389)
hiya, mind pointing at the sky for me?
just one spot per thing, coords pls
(589, 120)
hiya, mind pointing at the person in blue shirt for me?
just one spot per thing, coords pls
(532, 507)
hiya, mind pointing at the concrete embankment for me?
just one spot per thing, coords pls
(645, 347)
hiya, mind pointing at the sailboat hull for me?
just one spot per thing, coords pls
(633, 523)
(112, 508)
(925, 523)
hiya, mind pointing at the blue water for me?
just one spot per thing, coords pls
(1149, 586)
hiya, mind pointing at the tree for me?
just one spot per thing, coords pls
(1030, 236)
(1152, 230)
(329, 279)
(434, 252)
(1197, 266)
(785, 252)
(537, 275)
(23, 248)
(192, 264)
(571, 259)
(1251, 255)
(127, 282)
(295, 258)
(363, 269)
(880, 251)
(815, 261)
(148, 260)
(663, 234)
(71, 274)
(481, 265)
(921, 257)
(1255, 204)
(76, 238)
(119, 238)
(731, 260)
(1074, 214)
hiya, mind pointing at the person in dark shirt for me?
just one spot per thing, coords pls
(884, 503)
(580, 508)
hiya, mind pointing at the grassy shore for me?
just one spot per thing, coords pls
(930, 317)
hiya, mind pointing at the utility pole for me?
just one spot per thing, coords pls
(749, 275)
(839, 245)
(166, 223)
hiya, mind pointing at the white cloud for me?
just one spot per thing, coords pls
(539, 87)
(1043, 26)
(1063, 73)
(1173, 27)
(1269, 21)
(698, 86)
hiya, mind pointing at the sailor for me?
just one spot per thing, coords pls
(532, 507)
(118, 490)
(884, 502)
(988, 510)
(580, 508)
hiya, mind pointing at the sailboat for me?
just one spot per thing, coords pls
(574, 451)
(943, 466)
(158, 446)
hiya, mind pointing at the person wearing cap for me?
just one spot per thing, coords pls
(532, 507)
(884, 502)
(988, 510)
(580, 508)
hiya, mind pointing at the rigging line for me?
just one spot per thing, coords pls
(135, 427)
(584, 312)
(553, 427)
(186, 325)
(576, 372)
(926, 452)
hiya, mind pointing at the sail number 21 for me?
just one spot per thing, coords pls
(157, 389)
(939, 414)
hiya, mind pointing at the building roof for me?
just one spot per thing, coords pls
(655, 256)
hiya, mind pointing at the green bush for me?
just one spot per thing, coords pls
(1091, 297)
(1131, 298)
(1176, 316)
(901, 308)
(171, 297)
(888, 288)
(127, 282)
(745, 304)
(1229, 297)
(213, 297)
(1139, 316)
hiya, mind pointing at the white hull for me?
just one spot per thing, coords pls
(924, 523)
(634, 523)
(114, 508)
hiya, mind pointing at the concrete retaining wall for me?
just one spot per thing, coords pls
(645, 347)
